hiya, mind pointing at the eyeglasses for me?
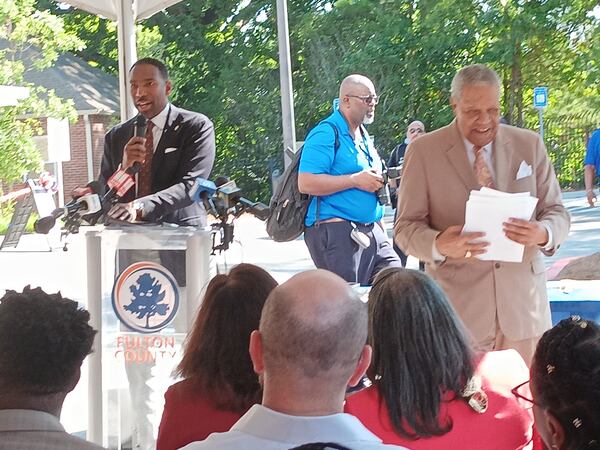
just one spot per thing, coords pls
(368, 99)
(416, 130)
(523, 394)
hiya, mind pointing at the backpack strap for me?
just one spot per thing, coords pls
(336, 145)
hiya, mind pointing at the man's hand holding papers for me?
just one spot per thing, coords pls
(526, 232)
(505, 220)
(453, 243)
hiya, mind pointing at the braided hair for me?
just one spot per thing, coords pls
(566, 380)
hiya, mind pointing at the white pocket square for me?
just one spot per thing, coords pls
(170, 149)
(524, 171)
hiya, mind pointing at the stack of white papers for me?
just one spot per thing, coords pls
(487, 209)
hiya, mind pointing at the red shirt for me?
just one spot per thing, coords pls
(189, 417)
(504, 426)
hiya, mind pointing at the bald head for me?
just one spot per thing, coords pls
(357, 101)
(312, 325)
(353, 83)
(414, 130)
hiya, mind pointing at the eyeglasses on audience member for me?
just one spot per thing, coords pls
(368, 99)
(523, 394)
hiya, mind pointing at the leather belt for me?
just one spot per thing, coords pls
(333, 219)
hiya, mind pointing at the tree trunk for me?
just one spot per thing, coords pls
(516, 87)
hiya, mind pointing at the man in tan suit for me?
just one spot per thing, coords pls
(503, 304)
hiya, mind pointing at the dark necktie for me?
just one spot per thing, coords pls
(144, 181)
(482, 171)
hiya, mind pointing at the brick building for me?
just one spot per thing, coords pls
(96, 98)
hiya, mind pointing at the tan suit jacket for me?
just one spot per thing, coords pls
(434, 189)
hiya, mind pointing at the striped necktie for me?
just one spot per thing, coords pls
(482, 171)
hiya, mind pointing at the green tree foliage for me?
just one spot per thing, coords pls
(40, 34)
(223, 58)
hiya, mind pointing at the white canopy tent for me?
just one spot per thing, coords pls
(127, 12)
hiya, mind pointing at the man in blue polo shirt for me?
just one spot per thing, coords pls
(344, 228)
(591, 165)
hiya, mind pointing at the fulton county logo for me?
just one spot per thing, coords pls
(145, 297)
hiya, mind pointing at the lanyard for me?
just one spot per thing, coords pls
(364, 147)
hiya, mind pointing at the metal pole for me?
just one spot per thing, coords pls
(127, 55)
(94, 306)
(541, 120)
(285, 79)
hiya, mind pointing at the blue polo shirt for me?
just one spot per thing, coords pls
(319, 157)
(592, 155)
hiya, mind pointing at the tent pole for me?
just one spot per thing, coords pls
(285, 79)
(127, 55)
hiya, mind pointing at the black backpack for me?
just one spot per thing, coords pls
(288, 205)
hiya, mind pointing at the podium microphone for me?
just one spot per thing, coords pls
(86, 204)
(257, 209)
(202, 191)
(120, 182)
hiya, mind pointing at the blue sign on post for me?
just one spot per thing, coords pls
(540, 97)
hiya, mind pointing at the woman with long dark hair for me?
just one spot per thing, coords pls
(219, 384)
(431, 390)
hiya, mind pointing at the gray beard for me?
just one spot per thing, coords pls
(368, 120)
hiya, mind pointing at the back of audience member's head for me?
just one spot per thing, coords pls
(420, 350)
(44, 339)
(321, 446)
(565, 383)
(313, 328)
(216, 351)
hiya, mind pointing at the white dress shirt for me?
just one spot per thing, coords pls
(262, 428)
(159, 121)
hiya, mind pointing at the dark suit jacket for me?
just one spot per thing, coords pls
(189, 139)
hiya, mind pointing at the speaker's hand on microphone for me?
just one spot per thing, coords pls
(123, 211)
(134, 151)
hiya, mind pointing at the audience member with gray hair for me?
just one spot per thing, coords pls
(309, 347)
(503, 304)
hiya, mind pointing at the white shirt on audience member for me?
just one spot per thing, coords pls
(262, 428)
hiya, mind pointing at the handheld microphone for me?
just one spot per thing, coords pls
(140, 125)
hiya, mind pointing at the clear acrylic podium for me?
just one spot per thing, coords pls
(145, 284)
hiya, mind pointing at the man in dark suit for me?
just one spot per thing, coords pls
(178, 147)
